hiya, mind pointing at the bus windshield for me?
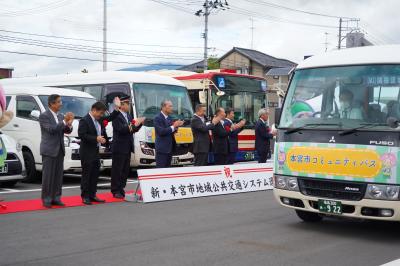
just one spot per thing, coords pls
(245, 95)
(345, 97)
(80, 106)
(148, 98)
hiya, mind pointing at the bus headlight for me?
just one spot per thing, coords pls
(286, 182)
(382, 192)
(146, 149)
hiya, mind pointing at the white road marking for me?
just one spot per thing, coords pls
(392, 263)
(9, 191)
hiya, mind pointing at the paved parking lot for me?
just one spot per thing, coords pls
(242, 229)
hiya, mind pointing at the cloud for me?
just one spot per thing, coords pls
(146, 22)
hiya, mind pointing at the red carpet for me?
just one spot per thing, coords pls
(36, 204)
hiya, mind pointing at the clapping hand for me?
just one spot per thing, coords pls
(69, 118)
(139, 121)
(177, 123)
(216, 120)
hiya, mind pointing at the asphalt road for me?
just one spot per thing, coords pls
(243, 229)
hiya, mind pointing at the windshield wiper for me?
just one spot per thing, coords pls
(363, 125)
(296, 129)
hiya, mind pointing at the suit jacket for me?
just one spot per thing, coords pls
(201, 137)
(263, 137)
(122, 137)
(233, 137)
(165, 140)
(52, 140)
(89, 150)
(220, 139)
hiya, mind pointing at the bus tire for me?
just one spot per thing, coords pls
(30, 167)
(309, 217)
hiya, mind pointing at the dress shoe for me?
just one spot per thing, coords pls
(58, 203)
(87, 201)
(96, 199)
(118, 196)
(47, 205)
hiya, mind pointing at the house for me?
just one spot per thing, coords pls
(6, 72)
(276, 70)
(195, 67)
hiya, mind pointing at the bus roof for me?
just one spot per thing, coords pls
(210, 75)
(93, 78)
(35, 91)
(384, 54)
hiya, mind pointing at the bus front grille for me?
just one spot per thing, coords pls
(332, 189)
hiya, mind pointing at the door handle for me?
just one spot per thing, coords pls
(16, 125)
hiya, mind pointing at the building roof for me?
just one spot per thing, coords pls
(383, 54)
(279, 71)
(193, 67)
(263, 59)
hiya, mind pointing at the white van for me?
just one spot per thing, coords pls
(147, 91)
(14, 167)
(27, 103)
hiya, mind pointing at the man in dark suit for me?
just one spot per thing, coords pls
(201, 137)
(165, 129)
(263, 136)
(220, 135)
(53, 126)
(122, 146)
(235, 129)
(92, 134)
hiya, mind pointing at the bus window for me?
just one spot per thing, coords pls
(75, 88)
(94, 90)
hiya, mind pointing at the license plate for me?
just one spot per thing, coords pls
(175, 160)
(330, 206)
(4, 169)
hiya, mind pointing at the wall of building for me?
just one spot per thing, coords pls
(235, 61)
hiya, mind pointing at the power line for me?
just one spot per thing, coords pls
(86, 50)
(98, 41)
(38, 9)
(86, 59)
(269, 4)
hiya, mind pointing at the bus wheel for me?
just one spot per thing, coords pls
(310, 217)
(31, 173)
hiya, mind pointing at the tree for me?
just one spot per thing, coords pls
(213, 63)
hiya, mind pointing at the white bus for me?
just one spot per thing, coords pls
(146, 90)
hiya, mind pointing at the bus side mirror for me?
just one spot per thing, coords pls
(277, 116)
(202, 97)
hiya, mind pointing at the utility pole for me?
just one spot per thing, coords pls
(326, 42)
(340, 33)
(206, 14)
(252, 32)
(208, 7)
(104, 35)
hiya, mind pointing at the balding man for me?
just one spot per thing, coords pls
(165, 128)
(263, 136)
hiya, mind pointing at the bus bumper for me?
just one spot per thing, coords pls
(363, 209)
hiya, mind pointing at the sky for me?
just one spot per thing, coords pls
(142, 32)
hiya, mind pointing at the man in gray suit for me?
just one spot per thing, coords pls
(53, 126)
(201, 138)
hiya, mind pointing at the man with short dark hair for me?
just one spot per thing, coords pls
(122, 146)
(92, 134)
(235, 129)
(201, 137)
(220, 135)
(165, 129)
(53, 125)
